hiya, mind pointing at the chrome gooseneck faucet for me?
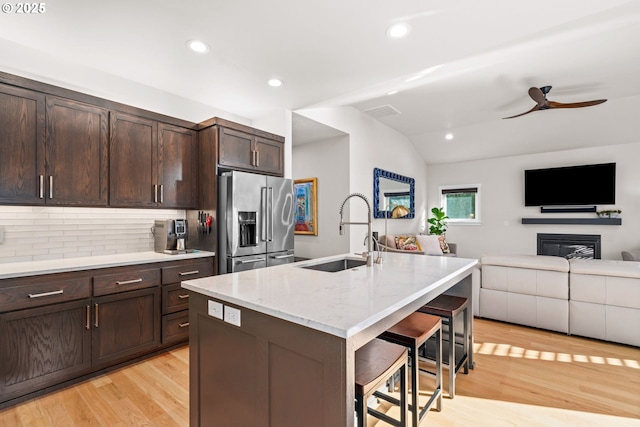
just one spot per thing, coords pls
(368, 224)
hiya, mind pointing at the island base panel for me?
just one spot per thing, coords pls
(267, 372)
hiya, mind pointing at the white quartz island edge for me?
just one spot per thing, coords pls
(343, 303)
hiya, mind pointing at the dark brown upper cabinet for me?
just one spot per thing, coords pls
(152, 164)
(53, 152)
(178, 166)
(77, 154)
(245, 151)
(22, 146)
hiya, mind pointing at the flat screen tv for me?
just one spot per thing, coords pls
(571, 186)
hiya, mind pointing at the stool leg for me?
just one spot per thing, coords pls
(465, 347)
(361, 411)
(452, 358)
(404, 387)
(415, 385)
(438, 388)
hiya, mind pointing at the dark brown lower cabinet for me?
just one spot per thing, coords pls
(125, 325)
(43, 346)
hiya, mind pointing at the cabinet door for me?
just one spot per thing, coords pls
(22, 140)
(125, 325)
(43, 346)
(77, 154)
(269, 156)
(177, 167)
(133, 161)
(236, 149)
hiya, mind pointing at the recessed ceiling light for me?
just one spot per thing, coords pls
(275, 82)
(398, 31)
(198, 46)
(448, 136)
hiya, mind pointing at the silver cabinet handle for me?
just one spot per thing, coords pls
(161, 193)
(128, 282)
(46, 294)
(187, 273)
(248, 261)
(257, 158)
(51, 186)
(41, 192)
(184, 325)
(183, 296)
(88, 324)
(253, 157)
(155, 193)
(96, 324)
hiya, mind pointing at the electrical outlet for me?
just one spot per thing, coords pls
(232, 315)
(215, 309)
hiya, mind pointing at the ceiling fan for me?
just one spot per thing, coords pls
(539, 95)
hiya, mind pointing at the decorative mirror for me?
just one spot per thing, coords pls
(391, 190)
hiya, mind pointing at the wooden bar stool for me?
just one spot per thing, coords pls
(448, 307)
(412, 332)
(376, 362)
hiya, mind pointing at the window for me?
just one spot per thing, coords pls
(461, 203)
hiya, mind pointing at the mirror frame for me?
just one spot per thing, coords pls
(380, 173)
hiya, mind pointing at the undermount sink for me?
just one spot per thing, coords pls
(337, 265)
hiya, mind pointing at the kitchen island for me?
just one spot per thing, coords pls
(275, 346)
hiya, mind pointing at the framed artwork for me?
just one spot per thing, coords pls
(306, 216)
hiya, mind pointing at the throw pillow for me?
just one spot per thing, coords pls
(407, 243)
(443, 244)
(430, 244)
(390, 241)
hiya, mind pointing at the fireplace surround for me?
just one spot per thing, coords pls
(570, 246)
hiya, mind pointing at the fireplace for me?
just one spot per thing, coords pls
(583, 246)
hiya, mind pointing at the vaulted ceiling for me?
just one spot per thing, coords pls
(463, 66)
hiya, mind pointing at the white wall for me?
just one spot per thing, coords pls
(371, 145)
(502, 201)
(328, 161)
(52, 232)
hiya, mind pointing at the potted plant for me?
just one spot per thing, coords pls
(438, 222)
(610, 213)
(439, 227)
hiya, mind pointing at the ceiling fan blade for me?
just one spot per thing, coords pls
(536, 107)
(553, 104)
(537, 95)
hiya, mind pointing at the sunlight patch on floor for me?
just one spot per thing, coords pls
(507, 350)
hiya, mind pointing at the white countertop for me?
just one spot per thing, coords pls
(34, 268)
(342, 303)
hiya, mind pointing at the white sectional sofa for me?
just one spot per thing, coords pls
(592, 298)
(526, 289)
(605, 300)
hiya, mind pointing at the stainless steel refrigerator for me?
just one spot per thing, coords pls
(255, 221)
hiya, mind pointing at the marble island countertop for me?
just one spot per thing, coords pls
(34, 268)
(341, 303)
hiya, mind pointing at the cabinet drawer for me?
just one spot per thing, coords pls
(125, 281)
(174, 298)
(187, 271)
(44, 292)
(175, 327)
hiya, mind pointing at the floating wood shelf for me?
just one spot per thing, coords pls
(575, 221)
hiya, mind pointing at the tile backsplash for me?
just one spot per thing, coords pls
(40, 233)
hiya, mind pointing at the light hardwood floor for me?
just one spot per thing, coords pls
(523, 377)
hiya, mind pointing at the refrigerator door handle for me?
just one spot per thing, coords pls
(270, 213)
(263, 213)
(282, 256)
(249, 261)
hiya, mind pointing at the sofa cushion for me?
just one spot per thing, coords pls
(601, 267)
(538, 262)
